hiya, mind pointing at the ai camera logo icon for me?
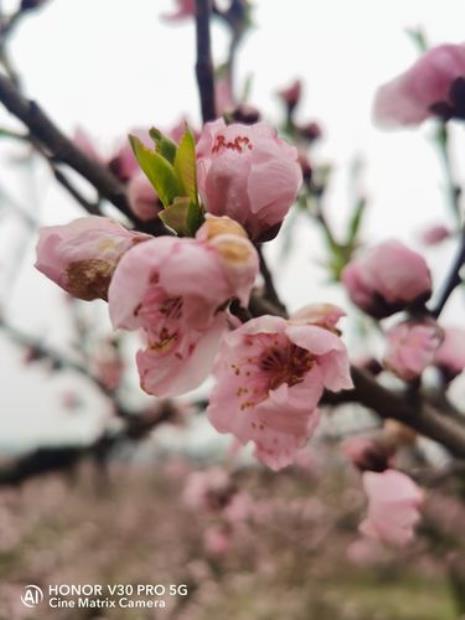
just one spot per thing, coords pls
(32, 596)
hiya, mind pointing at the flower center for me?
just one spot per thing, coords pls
(285, 365)
(239, 144)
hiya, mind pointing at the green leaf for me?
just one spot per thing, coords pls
(158, 170)
(164, 145)
(356, 220)
(183, 216)
(185, 165)
(175, 216)
(195, 218)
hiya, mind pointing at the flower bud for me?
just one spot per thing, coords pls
(387, 278)
(411, 347)
(82, 256)
(432, 86)
(247, 173)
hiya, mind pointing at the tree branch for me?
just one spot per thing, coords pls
(422, 417)
(204, 64)
(453, 279)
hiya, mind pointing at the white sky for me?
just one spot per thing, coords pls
(110, 65)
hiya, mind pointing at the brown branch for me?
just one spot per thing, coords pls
(271, 294)
(62, 150)
(204, 64)
(420, 416)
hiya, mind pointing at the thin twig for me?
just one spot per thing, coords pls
(271, 294)
(204, 64)
(453, 279)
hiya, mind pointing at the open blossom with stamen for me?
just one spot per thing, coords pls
(270, 375)
(81, 256)
(175, 290)
(394, 502)
(411, 347)
(386, 278)
(247, 173)
(432, 86)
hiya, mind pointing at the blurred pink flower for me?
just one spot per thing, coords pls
(81, 256)
(184, 9)
(394, 502)
(435, 234)
(368, 453)
(108, 365)
(423, 90)
(142, 197)
(217, 540)
(210, 489)
(270, 374)
(411, 347)
(224, 99)
(450, 356)
(386, 278)
(159, 290)
(291, 94)
(247, 173)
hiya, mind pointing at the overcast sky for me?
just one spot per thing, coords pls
(110, 65)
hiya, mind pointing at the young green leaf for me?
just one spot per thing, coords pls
(158, 170)
(175, 216)
(185, 165)
(164, 145)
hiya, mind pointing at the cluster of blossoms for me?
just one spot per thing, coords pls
(389, 278)
(176, 290)
(181, 291)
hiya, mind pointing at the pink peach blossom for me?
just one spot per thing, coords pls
(175, 291)
(209, 490)
(218, 540)
(270, 374)
(411, 347)
(81, 256)
(450, 356)
(184, 9)
(435, 234)
(142, 198)
(291, 94)
(422, 90)
(368, 453)
(386, 278)
(247, 173)
(394, 502)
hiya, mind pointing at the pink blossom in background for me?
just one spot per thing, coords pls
(81, 256)
(161, 290)
(386, 278)
(142, 198)
(435, 234)
(323, 315)
(183, 10)
(270, 375)
(218, 540)
(108, 365)
(411, 347)
(450, 356)
(394, 503)
(292, 94)
(224, 98)
(247, 173)
(408, 99)
(210, 489)
(368, 453)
